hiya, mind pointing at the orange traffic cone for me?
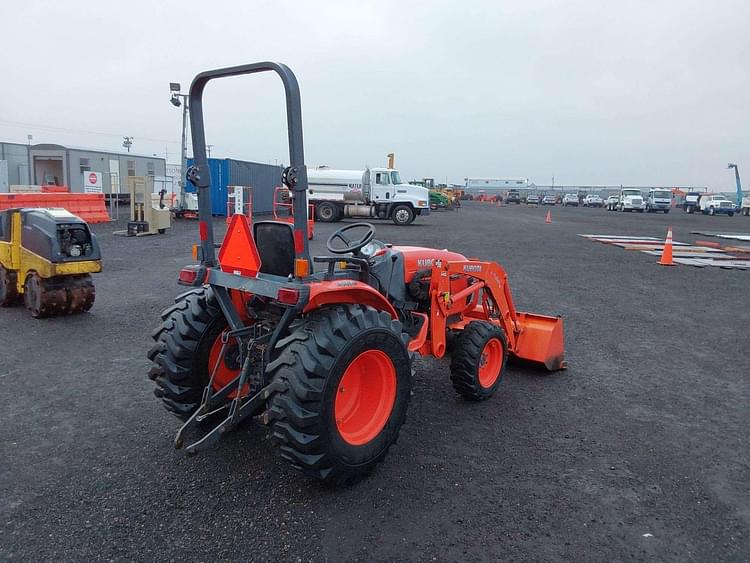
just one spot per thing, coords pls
(548, 219)
(666, 254)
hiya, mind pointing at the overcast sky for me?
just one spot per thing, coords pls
(592, 92)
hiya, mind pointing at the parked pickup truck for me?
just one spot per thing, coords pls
(592, 200)
(658, 200)
(514, 196)
(711, 204)
(611, 203)
(745, 207)
(570, 199)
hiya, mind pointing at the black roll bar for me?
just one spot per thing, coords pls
(296, 174)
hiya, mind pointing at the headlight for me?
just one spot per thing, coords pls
(421, 203)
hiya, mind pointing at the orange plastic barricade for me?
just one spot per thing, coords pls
(89, 207)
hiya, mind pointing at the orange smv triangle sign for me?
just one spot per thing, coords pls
(238, 254)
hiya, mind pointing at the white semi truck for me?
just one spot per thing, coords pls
(631, 199)
(376, 193)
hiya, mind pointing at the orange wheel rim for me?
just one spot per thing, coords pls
(490, 363)
(365, 397)
(226, 371)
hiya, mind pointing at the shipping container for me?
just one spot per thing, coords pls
(262, 178)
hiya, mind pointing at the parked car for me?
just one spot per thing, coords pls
(533, 199)
(711, 204)
(570, 199)
(611, 203)
(549, 200)
(658, 200)
(514, 196)
(592, 200)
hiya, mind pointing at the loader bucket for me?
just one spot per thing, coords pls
(541, 341)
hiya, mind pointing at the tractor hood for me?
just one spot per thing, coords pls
(417, 258)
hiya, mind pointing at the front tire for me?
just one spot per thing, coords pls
(346, 382)
(8, 288)
(478, 360)
(711, 211)
(402, 215)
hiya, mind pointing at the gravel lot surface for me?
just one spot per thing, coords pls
(638, 451)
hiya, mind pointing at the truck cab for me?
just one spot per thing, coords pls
(631, 199)
(392, 196)
(658, 200)
(373, 193)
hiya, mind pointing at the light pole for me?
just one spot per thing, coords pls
(208, 148)
(30, 138)
(127, 142)
(174, 88)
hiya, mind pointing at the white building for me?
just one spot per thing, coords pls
(491, 185)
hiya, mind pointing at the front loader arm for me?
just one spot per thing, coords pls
(470, 290)
(485, 297)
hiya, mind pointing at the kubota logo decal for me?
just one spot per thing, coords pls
(425, 261)
(472, 268)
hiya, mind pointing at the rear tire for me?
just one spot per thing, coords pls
(319, 428)
(8, 289)
(180, 355)
(327, 212)
(478, 360)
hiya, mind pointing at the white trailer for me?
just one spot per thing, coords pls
(376, 193)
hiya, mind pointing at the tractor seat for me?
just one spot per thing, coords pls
(275, 242)
(387, 271)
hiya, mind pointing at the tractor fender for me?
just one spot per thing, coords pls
(347, 291)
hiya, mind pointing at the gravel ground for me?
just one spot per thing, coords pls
(638, 451)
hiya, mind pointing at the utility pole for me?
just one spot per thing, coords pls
(208, 148)
(127, 142)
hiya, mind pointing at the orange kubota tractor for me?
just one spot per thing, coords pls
(324, 357)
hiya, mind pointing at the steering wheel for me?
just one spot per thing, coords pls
(350, 245)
